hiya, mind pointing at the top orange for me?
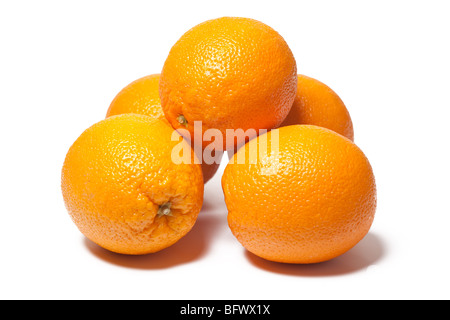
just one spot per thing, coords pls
(229, 73)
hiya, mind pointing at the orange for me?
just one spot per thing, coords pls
(317, 104)
(229, 73)
(210, 169)
(142, 97)
(308, 200)
(122, 190)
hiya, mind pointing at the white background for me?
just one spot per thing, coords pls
(61, 64)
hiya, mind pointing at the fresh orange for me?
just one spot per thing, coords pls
(122, 189)
(309, 199)
(142, 97)
(229, 73)
(317, 104)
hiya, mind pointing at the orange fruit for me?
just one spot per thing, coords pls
(122, 189)
(142, 97)
(317, 104)
(229, 73)
(311, 198)
(210, 169)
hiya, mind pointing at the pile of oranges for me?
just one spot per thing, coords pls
(297, 188)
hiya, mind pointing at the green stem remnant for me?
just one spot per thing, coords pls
(164, 210)
(182, 120)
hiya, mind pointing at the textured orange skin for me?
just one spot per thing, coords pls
(317, 104)
(142, 97)
(319, 202)
(116, 176)
(229, 73)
